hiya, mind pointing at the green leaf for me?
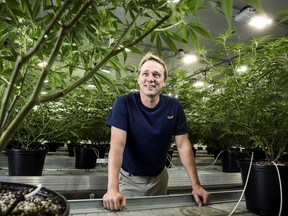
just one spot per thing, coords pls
(153, 35)
(185, 33)
(194, 38)
(284, 19)
(159, 44)
(115, 63)
(36, 6)
(177, 37)
(97, 83)
(107, 80)
(136, 50)
(169, 41)
(200, 30)
(1, 65)
(125, 56)
(3, 37)
(227, 7)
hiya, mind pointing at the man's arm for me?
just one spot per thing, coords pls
(113, 199)
(184, 148)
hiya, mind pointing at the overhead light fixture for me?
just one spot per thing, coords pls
(126, 49)
(187, 59)
(42, 64)
(90, 86)
(245, 14)
(242, 69)
(260, 21)
(173, 1)
(106, 70)
(199, 84)
(181, 52)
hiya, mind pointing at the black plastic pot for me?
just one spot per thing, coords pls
(85, 158)
(70, 148)
(194, 151)
(52, 146)
(14, 144)
(229, 160)
(26, 162)
(262, 194)
(258, 153)
(44, 195)
(215, 152)
(101, 150)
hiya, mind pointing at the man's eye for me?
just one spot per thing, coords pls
(157, 75)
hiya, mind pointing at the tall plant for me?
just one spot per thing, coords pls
(251, 107)
(71, 34)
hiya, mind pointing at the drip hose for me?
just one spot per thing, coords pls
(22, 198)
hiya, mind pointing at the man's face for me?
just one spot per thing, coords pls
(151, 78)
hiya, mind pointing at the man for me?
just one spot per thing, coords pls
(142, 125)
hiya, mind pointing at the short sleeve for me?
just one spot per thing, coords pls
(118, 116)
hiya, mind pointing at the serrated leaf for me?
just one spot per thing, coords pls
(194, 38)
(136, 50)
(227, 7)
(153, 36)
(97, 83)
(36, 6)
(176, 37)
(159, 45)
(107, 80)
(3, 37)
(125, 56)
(170, 43)
(115, 63)
(284, 19)
(200, 30)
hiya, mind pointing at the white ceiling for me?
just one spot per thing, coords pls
(214, 21)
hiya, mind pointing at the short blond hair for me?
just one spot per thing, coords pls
(151, 56)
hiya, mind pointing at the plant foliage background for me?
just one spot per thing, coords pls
(89, 35)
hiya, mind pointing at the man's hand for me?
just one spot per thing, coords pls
(201, 196)
(114, 201)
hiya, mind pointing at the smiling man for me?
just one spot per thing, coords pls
(142, 125)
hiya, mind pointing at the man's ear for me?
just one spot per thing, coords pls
(165, 83)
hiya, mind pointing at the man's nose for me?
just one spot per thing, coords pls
(150, 77)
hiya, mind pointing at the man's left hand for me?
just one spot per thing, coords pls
(201, 196)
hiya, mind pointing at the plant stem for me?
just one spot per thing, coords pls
(6, 133)
(21, 60)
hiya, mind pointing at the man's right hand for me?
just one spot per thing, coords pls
(114, 201)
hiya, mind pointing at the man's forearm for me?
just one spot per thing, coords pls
(188, 161)
(114, 165)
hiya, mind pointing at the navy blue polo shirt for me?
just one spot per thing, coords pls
(149, 131)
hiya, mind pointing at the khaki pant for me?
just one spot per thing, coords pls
(134, 186)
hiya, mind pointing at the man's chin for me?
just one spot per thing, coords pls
(151, 94)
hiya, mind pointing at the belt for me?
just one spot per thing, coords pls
(128, 173)
(132, 174)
